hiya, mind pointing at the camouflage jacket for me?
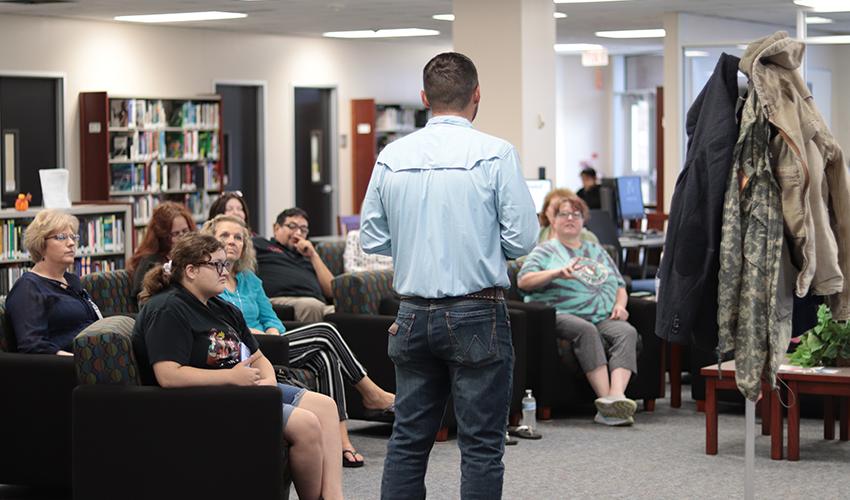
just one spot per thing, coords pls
(751, 251)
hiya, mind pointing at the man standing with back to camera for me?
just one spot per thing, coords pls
(449, 204)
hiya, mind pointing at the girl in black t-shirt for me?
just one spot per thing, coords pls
(191, 337)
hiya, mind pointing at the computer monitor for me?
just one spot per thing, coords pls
(630, 198)
(538, 188)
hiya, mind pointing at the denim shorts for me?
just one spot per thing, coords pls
(291, 397)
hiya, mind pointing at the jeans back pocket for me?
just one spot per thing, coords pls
(399, 336)
(473, 335)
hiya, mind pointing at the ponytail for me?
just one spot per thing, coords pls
(155, 281)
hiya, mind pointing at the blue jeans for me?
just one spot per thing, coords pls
(460, 347)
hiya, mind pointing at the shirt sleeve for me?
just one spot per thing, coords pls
(168, 336)
(26, 308)
(536, 261)
(515, 207)
(374, 226)
(268, 318)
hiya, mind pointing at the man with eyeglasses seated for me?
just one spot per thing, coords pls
(291, 270)
(47, 307)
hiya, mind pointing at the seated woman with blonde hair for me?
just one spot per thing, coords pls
(48, 306)
(191, 337)
(317, 347)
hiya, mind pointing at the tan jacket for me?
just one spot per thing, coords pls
(809, 166)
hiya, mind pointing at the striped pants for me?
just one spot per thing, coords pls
(320, 349)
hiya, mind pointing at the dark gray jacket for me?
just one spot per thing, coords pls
(687, 300)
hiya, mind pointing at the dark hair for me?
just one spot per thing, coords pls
(449, 80)
(157, 240)
(577, 204)
(589, 172)
(190, 249)
(219, 205)
(290, 212)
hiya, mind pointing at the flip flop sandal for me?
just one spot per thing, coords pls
(509, 441)
(351, 464)
(524, 432)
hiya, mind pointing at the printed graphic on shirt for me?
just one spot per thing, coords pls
(590, 272)
(223, 350)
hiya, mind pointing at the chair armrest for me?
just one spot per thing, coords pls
(361, 292)
(275, 348)
(284, 313)
(144, 442)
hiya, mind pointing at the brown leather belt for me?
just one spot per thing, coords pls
(492, 293)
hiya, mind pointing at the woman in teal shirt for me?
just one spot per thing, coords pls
(318, 347)
(579, 279)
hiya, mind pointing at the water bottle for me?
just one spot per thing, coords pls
(529, 411)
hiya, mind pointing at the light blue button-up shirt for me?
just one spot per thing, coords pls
(449, 203)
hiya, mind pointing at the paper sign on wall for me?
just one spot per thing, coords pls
(594, 58)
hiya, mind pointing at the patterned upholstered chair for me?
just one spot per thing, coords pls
(331, 253)
(35, 419)
(167, 436)
(111, 291)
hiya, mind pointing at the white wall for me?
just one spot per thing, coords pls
(583, 120)
(125, 59)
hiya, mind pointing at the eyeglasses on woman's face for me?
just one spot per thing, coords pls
(63, 237)
(220, 266)
(180, 232)
(570, 215)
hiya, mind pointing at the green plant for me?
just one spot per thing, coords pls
(827, 342)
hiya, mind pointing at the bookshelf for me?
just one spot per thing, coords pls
(373, 126)
(104, 232)
(146, 150)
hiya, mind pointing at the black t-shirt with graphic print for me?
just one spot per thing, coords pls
(175, 326)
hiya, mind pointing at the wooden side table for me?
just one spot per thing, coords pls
(829, 382)
(723, 378)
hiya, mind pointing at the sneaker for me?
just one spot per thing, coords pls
(613, 421)
(621, 408)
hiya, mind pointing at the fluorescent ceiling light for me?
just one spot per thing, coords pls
(574, 48)
(559, 15)
(181, 17)
(653, 33)
(588, 1)
(818, 20)
(829, 40)
(825, 5)
(444, 17)
(696, 53)
(388, 33)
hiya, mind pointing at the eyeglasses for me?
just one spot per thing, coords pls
(295, 227)
(62, 237)
(177, 234)
(219, 266)
(570, 215)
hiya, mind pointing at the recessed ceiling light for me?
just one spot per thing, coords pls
(825, 5)
(829, 40)
(387, 33)
(444, 17)
(588, 1)
(653, 33)
(818, 20)
(696, 53)
(567, 48)
(559, 15)
(742, 46)
(181, 17)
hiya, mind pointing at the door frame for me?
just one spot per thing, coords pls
(262, 135)
(334, 145)
(61, 99)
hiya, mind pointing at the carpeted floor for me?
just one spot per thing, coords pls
(662, 456)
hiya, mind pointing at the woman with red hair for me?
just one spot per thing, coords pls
(168, 222)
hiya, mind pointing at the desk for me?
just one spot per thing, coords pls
(726, 381)
(831, 382)
(651, 240)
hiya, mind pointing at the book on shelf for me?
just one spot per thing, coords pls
(120, 149)
(118, 116)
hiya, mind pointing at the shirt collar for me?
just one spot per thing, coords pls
(450, 120)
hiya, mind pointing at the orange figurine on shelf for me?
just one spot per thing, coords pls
(23, 201)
